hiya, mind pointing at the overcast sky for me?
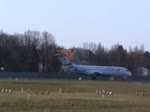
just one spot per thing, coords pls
(74, 22)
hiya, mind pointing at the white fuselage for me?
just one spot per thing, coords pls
(102, 70)
(98, 70)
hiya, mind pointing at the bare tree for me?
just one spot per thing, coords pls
(48, 46)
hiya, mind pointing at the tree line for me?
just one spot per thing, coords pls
(25, 52)
(117, 55)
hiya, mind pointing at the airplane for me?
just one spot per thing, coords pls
(92, 70)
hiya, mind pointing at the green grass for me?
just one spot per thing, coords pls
(84, 99)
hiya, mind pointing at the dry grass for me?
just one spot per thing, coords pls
(83, 100)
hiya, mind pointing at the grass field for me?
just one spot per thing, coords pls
(84, 99)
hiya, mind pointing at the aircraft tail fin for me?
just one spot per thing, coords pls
(66, 64)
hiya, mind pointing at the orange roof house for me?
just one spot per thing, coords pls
(72, 55)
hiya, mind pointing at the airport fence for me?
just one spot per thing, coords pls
(37, 75)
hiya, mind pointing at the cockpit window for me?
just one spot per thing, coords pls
(127, 70)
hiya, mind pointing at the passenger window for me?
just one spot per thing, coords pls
(118, 69)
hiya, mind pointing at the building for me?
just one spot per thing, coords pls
(72, 55)
(86, 56)
(142, 71)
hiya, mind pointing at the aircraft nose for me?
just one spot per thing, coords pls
(129, 74)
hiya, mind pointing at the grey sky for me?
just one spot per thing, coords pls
(74, 22)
